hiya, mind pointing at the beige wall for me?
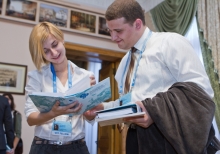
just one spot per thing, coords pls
(14, 49)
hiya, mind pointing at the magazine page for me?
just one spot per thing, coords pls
(90, 97)
(81, 85)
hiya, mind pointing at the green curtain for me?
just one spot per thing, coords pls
(174, 15)
(212, 73)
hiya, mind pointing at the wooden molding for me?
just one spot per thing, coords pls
(94, 54)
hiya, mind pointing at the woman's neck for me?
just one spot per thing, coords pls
(62, 71)
(61, 67)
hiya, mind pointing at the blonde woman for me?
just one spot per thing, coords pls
(54, 74)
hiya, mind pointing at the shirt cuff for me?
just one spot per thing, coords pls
(111, 104)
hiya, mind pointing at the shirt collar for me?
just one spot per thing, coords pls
(140, 42)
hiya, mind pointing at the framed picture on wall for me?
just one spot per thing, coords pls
(82, 21)
(53, 14)
(12, 78)
(21, 9)
(103, 30)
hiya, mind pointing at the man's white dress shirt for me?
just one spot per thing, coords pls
(168, 58)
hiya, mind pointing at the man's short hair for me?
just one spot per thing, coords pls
(129, 9)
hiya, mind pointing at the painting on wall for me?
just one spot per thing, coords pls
(102, 27)
(12, 78)
(83, 21)
(21, 9)
(53, 14)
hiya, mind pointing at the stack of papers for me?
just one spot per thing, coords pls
(89, 97)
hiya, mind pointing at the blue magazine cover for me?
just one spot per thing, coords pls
(90, 97)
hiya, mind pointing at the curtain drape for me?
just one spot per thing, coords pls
(174, 15)
(209, 30)
(209, 22)
(193, 36)
(211, 71)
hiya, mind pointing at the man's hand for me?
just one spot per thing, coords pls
(143, 121)
(91, 114)
(92, 80)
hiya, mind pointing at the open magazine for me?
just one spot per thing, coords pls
(81, 92)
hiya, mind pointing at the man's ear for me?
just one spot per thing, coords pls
(138, 23)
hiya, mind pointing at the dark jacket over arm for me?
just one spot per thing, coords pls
(182, 121)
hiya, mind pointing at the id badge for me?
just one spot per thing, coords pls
(62, 128)
(125, 99)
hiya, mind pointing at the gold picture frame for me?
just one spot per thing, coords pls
(13, 78)
(21, 9)
(82, 21)
(53, 14)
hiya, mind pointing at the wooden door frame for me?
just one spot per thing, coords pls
(92, 54)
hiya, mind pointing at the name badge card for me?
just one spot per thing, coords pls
(62, 128)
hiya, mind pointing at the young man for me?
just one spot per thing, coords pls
(166, 70)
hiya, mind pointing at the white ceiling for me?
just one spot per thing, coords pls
(103, 4)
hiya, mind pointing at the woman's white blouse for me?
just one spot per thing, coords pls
(43, 82)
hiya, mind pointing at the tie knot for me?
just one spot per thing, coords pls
(133, 49)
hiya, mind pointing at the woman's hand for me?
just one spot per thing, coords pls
(92, 80)
(91, 114)
(37, 118)
(143, 121)
(71, 108)
(10, 151)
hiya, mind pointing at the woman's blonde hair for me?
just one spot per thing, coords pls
(37, 37)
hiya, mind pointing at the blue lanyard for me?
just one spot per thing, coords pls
(135, 72)
(54, 77)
